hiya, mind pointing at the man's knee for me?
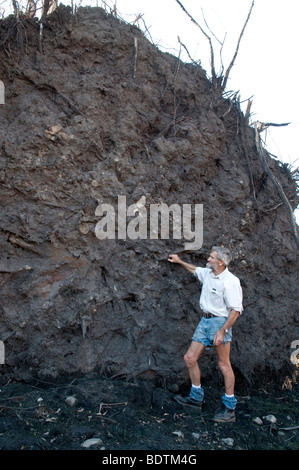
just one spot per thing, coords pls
(190, 359)
(193, 354)
(224, 366)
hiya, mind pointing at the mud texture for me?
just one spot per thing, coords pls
(95, 112)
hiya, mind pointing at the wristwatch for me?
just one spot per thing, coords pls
(225, 330)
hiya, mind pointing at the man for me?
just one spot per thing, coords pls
(221, 303)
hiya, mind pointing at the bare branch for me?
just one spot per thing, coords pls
(146, 29)
(16, 9)
(261, 126)
(237, 49)
(218, 40)
(248, 108)
(188, 53)
(275, 182)
(214, 77)
(135, 56)
(205, 21)
(221, 49)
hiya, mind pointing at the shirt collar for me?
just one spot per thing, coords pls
(221, 275)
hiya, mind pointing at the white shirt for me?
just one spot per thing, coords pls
(220, 293)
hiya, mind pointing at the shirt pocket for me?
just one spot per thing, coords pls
(217, 296)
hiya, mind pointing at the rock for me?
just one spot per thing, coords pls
(54, 130)
(270, 419)
(178, 433)
(258, 420)
(174, 388)
(228, 441)
(71, 401)
(92, 442)
(196, 435)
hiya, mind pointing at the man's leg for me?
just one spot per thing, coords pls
(191, 360)
(227, 414)
(191, 357)
(223, 356)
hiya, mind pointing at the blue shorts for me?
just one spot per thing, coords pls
(207, 328)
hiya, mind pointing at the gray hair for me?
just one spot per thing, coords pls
(223, 254)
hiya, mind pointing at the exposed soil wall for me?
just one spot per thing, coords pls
(99, 113)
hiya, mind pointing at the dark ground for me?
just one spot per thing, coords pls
(132, 416)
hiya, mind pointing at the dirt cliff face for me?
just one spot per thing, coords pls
(99, 112)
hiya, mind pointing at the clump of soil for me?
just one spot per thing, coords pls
(136, 415)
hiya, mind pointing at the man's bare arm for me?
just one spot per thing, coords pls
(232, 317)
(176, 259)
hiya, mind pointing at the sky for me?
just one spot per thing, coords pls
(267, 64)
(266, 68)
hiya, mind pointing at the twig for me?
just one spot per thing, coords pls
(289, 429)
(135, 56)
(243, 145)
(248, 108)
(218, 40)
(18, 270)
(140, 17)
(108, 404)
(168, 126)
(15, 240)
(221, 49)
(273, 208)
(183, 45)
(107, 419)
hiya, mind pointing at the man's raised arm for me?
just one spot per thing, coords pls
(176, 259)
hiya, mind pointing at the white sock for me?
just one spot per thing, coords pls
(196, 386)
(229, 396)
